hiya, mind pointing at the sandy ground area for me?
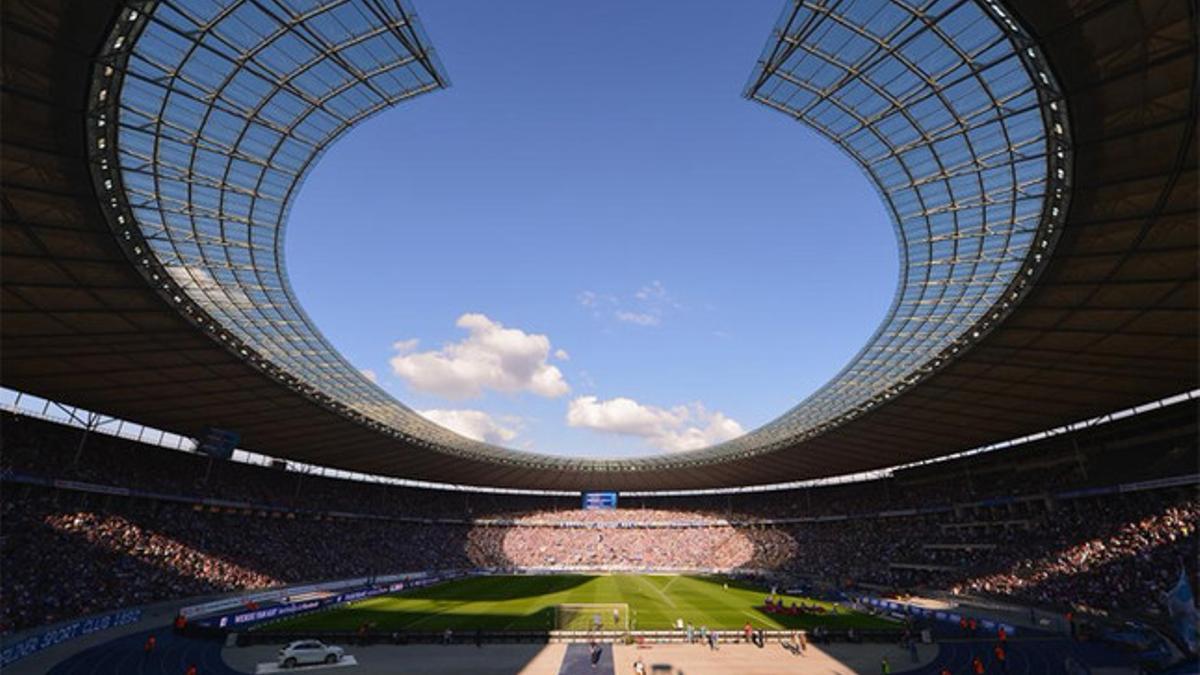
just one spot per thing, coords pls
(659, 659)
(837, 659)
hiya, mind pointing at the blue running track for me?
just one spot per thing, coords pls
(1045, 656)
(578, 661)
(124, 656)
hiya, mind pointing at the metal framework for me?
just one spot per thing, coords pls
(207, 117)
(952, 111)
(185, 126)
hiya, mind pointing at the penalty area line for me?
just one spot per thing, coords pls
(659, 591)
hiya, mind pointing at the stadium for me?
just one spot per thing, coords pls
(1002, 479)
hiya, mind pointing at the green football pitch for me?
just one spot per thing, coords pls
(528, 603)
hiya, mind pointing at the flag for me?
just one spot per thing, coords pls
(1181, 605)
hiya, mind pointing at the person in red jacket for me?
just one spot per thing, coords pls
(977, 666)
(1001, 657)
(191, 670)
(151, 643)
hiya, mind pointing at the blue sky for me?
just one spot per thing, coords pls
(593, 182)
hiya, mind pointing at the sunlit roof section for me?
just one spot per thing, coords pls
(206, 115)
(949, 108)
(221, 107)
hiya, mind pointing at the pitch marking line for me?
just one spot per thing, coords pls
(659, 591)
(764, 618)
(673, 580)
(430, 615)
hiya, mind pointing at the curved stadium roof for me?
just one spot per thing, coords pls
(203, 118)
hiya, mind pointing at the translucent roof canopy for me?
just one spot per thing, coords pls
(213, 111)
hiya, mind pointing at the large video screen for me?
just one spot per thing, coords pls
(219, 443)
(599, 500)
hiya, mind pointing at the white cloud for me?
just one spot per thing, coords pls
(654, 292)
(370, 374)
(683, 427)
(639, 318)
(646, 307)
(562, 355)
(405, 346)
(600, 305)
(474, 424)
(490, 357)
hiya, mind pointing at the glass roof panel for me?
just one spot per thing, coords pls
(224, 106)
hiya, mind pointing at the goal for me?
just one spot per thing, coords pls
(605, 616)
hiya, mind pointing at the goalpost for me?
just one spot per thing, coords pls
(589, 616)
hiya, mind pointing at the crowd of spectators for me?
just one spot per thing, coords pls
(1116, 553)
(1107, 554)
(68, 553)
(678, 548)
(65, 559)
(618, 517)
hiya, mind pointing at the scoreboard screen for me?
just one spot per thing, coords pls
(599, 500)
(219, 443)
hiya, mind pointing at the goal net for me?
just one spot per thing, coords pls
(604, 616)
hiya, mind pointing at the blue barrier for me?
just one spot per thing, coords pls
(916, 610)
(69, 631)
